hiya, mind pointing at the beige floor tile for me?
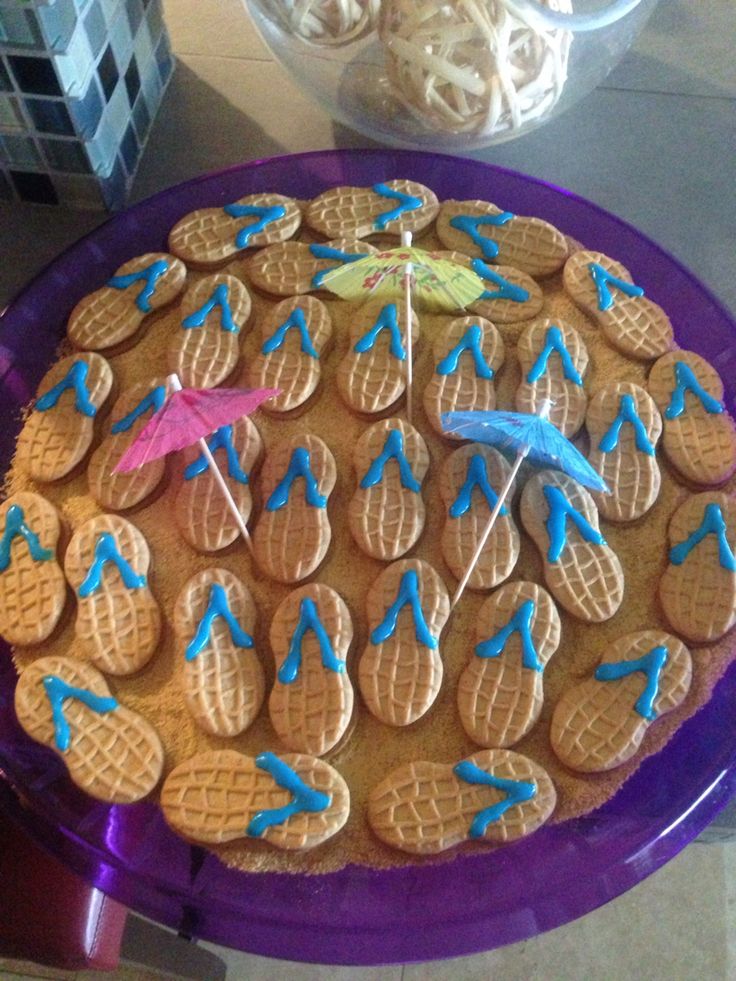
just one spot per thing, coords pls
(213, 27)
(729, 862)
(11, 969)
(249, 967)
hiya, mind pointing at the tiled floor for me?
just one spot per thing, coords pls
(654, 145)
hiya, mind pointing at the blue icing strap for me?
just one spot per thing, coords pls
(560, 510)
(387, 320)
(295, 321)
(407, 202)
(219, 299)
(521, 624)
(327, 252)
(222, 440)
(553, 341)
(309, 620)
(685, 381)
(713, 523)
(601, 277)
(75, 378)
(15, 526)
(154, 400)
(651, 665)
(264, 215)
(57, 691)
(217, 606)
(477, 476)
(299, 466)
(516, 791)
(393, 449)
(505, 290)
(470, 341)
(305, 799)
(408, 594)
(469, 224)
(627, 413)
(107, 551)
(149, 276)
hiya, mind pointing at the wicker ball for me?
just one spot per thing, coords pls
(471, 66)
(329, 21)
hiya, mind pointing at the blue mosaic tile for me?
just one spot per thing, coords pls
(164, 59)
(95, 28)
(50, 117)
(38, 188)
(6, 192)
(87, 111)
(108, 73)
(151, 83)
(21, 151)
(121, 39)
(154, 16)
(66, 155)
(115, 187)
(132, 81)
(141, 118)
(134, 10)
(129, 150)
(58, 23)
(76, 65)
(19, 28)
(35, 76)
(11, 118)
(142, 47)
(5, 84)
(3, 154)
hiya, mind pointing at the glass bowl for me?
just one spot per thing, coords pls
(456, 76)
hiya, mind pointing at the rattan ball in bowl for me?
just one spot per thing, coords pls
(332, 22)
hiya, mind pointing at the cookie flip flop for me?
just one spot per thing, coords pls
(698, 588)
(221, 676)
(59, 431)
(119, 491)
(201, 511)
(699, 435)
(293, 268)
(494, 795)
(111, 752)
(295, 337)
(581, 570)
(115, 312)
(386, 513)
(510, 295)
(470, 480)
(601, 723)
(467, 354)
(553, 359)
(605, 291)
(500, 694)
(292, 801)
(210, 236)
(118, 621)
(293, 532)
(400, 670)
(32, 585)
(482, 230)
(388, 208)
(371, 377)
(205, 349)
(624, 426)
(311, 701)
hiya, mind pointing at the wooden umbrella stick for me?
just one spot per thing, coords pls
(521, 456)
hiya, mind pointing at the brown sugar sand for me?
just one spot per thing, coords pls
(372, 749)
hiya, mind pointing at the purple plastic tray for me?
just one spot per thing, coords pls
(361, 916)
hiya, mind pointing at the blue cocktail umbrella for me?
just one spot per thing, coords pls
(533, 438)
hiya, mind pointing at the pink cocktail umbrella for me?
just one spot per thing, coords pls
(187, 416)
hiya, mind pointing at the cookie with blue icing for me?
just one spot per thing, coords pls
(293, 268)
(484, 231)
(467, 355)
(624, 426)
(58, 432)
(311, 702)
(32, 586)
(601, 723)
(118, 622)
(209, 237)
(110, 751)
(205, 347)
(604, 289)
(296, 336)
(699, 438)
(495, 796)
(698, 587)
(292, 801)
(386, 208)
(115, 312)
(218, 666)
